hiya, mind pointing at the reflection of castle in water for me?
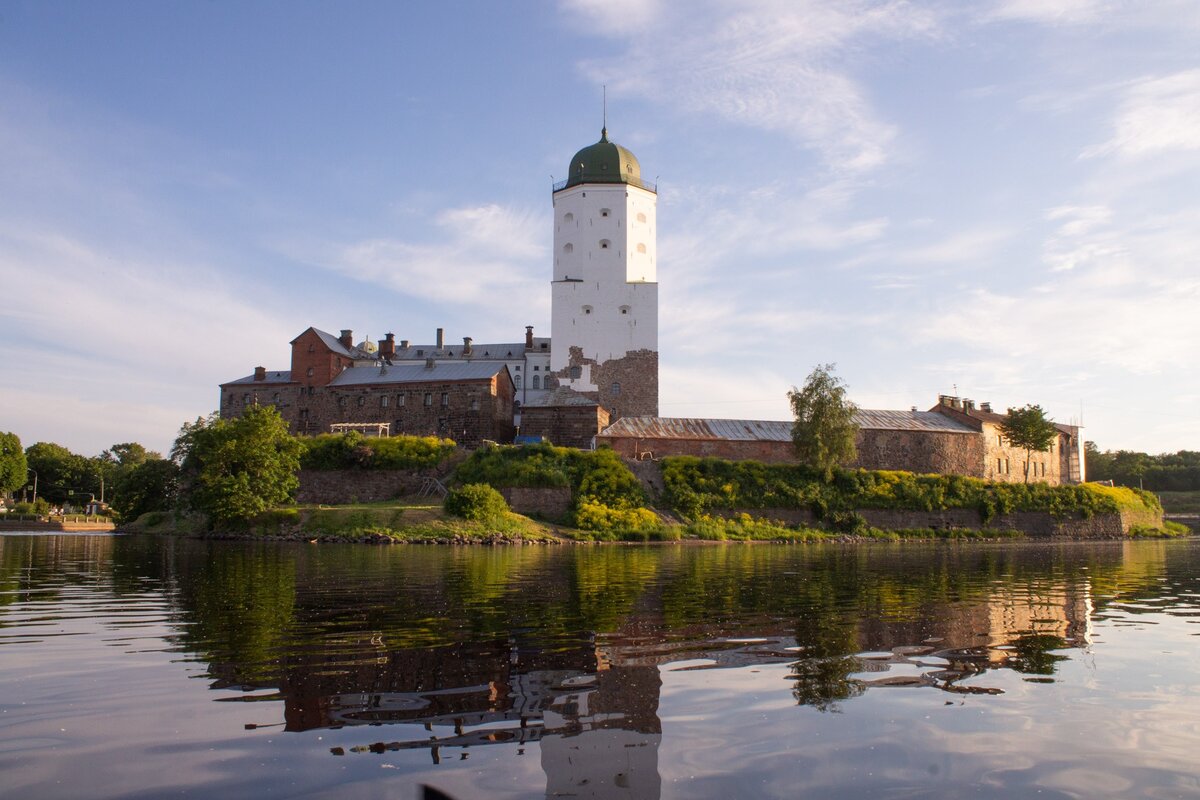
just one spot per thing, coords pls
(590, 702)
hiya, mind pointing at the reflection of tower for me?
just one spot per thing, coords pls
(604, 296)
(603, 742)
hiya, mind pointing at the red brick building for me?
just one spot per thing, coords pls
(333, 381)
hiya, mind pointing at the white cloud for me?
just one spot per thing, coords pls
(767, 65)
(1051, 11)
(478, 253)
(1156, 115)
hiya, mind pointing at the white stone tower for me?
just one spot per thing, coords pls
(604, 298)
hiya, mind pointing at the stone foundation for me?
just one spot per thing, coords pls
(1031, 523)
(551, 503)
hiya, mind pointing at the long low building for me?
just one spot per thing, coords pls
(952, 438)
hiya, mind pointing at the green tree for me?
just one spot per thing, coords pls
(1029, 429)
(234, 469)
(824, 429)
(60, 472)
(13, 465)
(149, 486)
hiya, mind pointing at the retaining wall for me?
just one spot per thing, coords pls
(551, 503)
(1031, 523)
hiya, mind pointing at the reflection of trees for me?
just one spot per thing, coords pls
(821, 682)
(1032, 654)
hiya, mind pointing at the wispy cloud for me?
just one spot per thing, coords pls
(1155, 115)
(764, 64)
(471, 255)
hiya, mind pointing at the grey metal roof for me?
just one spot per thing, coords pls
(684, 428)
(561, 396)
(487, 350)
(419, 373)
(332, 343)
(873, 419)
(772, 430)
(273, 376)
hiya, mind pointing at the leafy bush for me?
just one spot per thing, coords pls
(630, 524)
(40, 507)
(744, 527)
(352, 450)
(476, 501)
(597, 477)
(695, 486)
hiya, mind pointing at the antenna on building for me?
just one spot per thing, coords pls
(604, 105)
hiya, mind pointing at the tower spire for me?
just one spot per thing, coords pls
(604, 110)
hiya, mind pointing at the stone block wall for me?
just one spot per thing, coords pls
(552, 503)
(567, 426)
(1031, 523)
(466, 411)
(625, 386)
(338, 486)
(921, 451)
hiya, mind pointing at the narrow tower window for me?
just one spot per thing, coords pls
(568, 247)
(641, 248)
(604, 244)
(604, 212)
(641, 217)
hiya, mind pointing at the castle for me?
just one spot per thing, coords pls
(595, 380)
(602, 365)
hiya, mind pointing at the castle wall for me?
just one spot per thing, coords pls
(466, 411)
(913, 451)
(567, 426)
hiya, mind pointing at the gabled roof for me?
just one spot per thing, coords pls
(329, 340)
(441, 371)
(273, 377)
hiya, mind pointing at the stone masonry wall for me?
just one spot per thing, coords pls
(1032, 523)
(466, 411)
(552, 503)
(340, 486)
(627, 386)
(914, 451)
(921, 451)
(566, 426)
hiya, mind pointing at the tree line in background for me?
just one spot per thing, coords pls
(1168, 472)
(129, 477)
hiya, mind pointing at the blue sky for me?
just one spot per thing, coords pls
(994, 198)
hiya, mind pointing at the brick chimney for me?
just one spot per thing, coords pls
(387, 345)
(528, 337)
(404, 344)
(986, 407)
(466, 346)
(968, 405)
(260, 373)
(347, 339)
(441, 338)
(429, 363)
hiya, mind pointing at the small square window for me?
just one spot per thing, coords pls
(428, 398)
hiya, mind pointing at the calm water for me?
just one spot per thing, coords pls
(136, 667)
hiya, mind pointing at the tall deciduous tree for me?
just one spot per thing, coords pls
(13, 466)
(824, 429)
(60, 472)
(1029, 429)
(234, 469)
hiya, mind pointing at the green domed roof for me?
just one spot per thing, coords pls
(605, 162)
